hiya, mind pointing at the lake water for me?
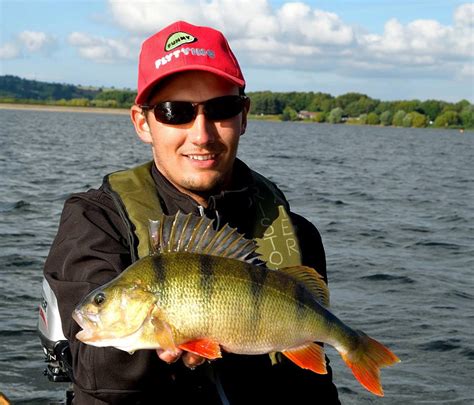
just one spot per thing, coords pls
(394, 207)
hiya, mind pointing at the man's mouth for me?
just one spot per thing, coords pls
(210, 156)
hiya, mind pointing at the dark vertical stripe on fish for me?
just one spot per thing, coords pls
(257, 276)
(207, 275)
(160, 272)
(303, 299)
(205, 271)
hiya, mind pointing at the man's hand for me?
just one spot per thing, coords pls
(190, 360)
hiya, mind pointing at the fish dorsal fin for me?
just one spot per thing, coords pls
(313, 281)
(193, 234)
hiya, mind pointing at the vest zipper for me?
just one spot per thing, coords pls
(202, 213)
(201, 210)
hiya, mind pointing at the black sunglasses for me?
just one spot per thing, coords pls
(183, 112)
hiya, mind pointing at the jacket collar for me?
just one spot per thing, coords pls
(223, 204)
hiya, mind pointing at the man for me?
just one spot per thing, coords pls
(192, 110)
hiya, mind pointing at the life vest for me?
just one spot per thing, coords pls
(134, 193)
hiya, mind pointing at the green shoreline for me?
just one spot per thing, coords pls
(126, 111)
(59, 108)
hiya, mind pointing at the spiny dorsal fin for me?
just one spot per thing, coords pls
(313, 281)
(190, 233)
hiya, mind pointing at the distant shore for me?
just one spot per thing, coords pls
(58, 108)
(126, 111)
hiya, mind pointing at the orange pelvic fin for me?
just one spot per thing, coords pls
(203, 347)
(366, 361)
(309, 357)
(163, 332)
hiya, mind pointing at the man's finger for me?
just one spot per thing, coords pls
(192, 360)
(169, 356)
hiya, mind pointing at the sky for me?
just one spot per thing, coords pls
(387, 49)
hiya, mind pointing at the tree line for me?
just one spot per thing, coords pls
(353, 108)
(357, 108)
(14, 89)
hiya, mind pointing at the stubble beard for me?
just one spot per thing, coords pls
(204, 188)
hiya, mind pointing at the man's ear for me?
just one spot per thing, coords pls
(245, 111)
(138, 117)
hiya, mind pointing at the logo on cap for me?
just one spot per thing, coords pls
(177, 39)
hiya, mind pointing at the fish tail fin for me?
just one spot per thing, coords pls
(367, 359)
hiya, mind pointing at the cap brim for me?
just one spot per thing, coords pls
(142, 98)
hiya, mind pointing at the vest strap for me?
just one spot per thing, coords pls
(137, 192)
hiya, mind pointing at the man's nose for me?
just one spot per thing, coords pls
(203, 130)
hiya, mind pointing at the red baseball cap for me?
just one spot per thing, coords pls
(180, 47)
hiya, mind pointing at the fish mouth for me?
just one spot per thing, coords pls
(90, 324)
(77, 316)
(85, 320)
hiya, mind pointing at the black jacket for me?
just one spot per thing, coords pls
(91, 248)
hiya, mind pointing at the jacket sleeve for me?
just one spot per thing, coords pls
(89, 250)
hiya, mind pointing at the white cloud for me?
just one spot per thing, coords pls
(420, 48)
(238, 18)
(103, 50)
(468, 71)
(426, 47)
(420, 37)
(244, 18)
(296, 35)
(301, 23)
(144, 16)
(9, 51)
(464, 15)
(27, 42)
(248, 18)
(35, 41)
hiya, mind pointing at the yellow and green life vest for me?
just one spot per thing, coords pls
(134, 193)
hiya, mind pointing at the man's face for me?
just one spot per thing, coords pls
(197, 158)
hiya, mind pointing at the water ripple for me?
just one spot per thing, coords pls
(14, 206)
(442, 345)
(389, 277)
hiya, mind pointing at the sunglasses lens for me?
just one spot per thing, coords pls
(223, 108)
(183, 112)
(174, 112)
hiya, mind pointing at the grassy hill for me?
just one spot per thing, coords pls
(14, 89)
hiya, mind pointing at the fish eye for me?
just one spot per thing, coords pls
(99, 298)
